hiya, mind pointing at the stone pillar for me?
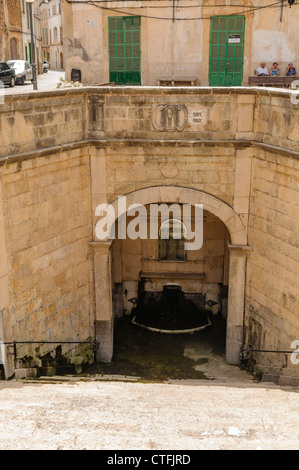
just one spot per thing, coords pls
(236, 300)
(6, 359)
(104, 321)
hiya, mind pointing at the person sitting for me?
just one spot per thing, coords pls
(262, 70)
(275, 70)
(290, 70)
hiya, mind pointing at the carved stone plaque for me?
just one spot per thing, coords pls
(170, 117)
(169, 171)
(197, 117)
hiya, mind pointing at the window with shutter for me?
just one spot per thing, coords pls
(124, 50)
(172, 237)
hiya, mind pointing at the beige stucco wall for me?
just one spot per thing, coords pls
(178, 48)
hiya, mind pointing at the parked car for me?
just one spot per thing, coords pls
(7, 74)
(46, 66)
(22, 69)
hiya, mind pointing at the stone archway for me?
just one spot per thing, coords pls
(237, 265)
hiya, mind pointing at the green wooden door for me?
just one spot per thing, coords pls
(226, 50)
(124, 50)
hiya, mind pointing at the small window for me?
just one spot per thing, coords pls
(172, 238)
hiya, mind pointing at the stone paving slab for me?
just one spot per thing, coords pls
(105, 415)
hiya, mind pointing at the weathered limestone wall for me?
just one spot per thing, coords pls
(72, 150)
(273, 265)
(209, 169)
(272, 294)
(276, 121)
(5, 322)
(47, 219)
(68, 116)
(32, 123)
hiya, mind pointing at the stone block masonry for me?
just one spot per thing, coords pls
(64, 152)
(47, 211)
(272, 296)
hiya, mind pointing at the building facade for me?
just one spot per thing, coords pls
(52, 33)
(26, 29)
(45, 32)
(15, 34)
(211, 42)
(11, 35)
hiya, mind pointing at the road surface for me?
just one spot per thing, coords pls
(46, 82)
(97, 414)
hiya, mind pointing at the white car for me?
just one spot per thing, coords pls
(23, 70)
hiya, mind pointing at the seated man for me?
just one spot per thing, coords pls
(290, 70)
(262, 70)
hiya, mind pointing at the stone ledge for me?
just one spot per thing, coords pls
(104, 143)
(146, 90)
(25, 373)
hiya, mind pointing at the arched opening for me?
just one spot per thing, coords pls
(55, 34)
(165, 286)
(211, 277)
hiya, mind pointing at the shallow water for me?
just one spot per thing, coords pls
(158, 357)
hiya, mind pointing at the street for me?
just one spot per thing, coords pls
(46, 82)
(101, 414)
(159, 392)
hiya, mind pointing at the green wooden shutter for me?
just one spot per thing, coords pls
(226, 50)
(124, 50)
